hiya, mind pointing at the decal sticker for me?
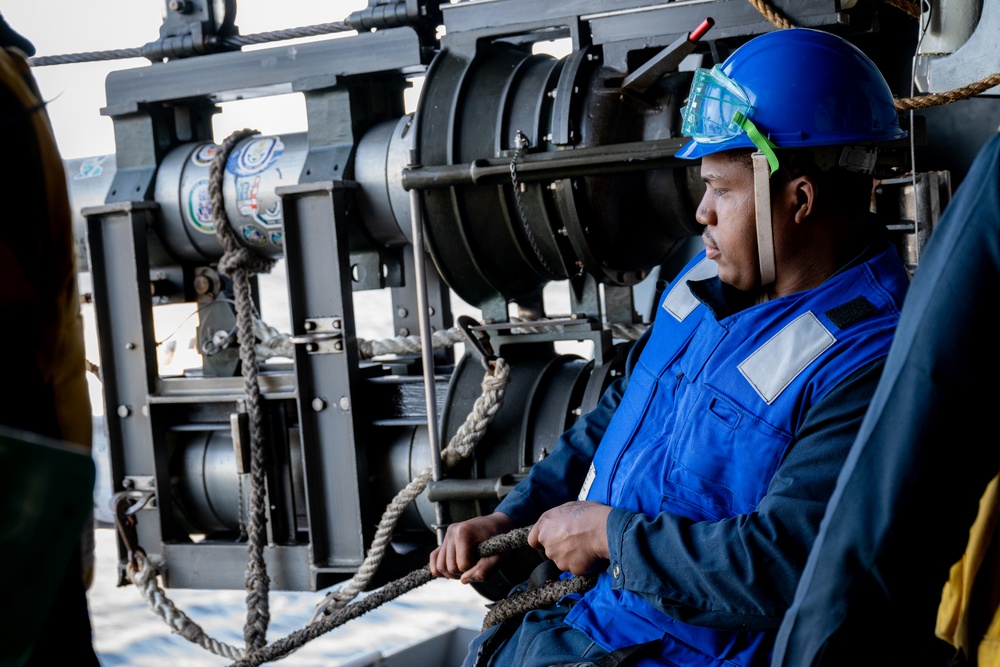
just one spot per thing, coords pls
(271, 216)
(246, 195)
(90, 168)
(203, 156)
(255, 156)
(254, 236)
(199, 208)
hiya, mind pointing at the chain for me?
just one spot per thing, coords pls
(521, 144)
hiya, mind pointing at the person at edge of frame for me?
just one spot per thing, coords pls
(908, 546)
(696, 487)
(46, 382)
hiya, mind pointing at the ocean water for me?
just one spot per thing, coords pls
(128, 632)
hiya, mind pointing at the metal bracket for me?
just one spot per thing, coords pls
(139, 483)
(325, 336)
(480, 344)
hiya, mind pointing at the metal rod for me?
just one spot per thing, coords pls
(592, 160)
(426, 347)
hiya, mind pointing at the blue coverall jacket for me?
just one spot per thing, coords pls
(706, 540)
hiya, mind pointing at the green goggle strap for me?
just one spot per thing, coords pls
(762, 143)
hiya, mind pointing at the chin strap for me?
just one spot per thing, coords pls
(762, 208)
(765, 163)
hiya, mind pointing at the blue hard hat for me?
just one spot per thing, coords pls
(790, 88)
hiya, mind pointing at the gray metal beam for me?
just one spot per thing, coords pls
(249, 74)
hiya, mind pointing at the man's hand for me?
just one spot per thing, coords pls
(457, 556)
(573, 535)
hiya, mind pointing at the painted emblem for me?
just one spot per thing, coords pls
(271, 216)
(90, 168)
(255, 156)
(203, 156)
(199, 208)
(254, 236)
(247, 190)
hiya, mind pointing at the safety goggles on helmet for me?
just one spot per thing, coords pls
(718, 110)
(714, 100)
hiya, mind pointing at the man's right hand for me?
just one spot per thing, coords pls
(458, 558)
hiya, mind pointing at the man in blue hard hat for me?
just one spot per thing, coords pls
(696, 487)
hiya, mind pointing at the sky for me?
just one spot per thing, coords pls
(75, 96)
(75, 92)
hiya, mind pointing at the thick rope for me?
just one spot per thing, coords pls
(240, 264)
(906, 6)
(272, 343)
(143, 575)
(286, 645)
(775, 16)
(496, 545)
(937, 99)
(368, 349)
(521, 603)
(772, 14)
(461, 445)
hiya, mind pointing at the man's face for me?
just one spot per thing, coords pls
(727, 211)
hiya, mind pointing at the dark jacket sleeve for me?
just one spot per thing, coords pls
(910, 489)
(557, 478)
(740, 573)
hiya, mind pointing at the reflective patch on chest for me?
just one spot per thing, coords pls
(680, 302)
(776, 363)
(587, 482)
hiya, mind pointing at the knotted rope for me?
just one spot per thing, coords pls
(240, 264)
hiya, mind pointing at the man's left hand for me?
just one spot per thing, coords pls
(573, 535)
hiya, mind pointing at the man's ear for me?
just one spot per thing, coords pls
(802, 192)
